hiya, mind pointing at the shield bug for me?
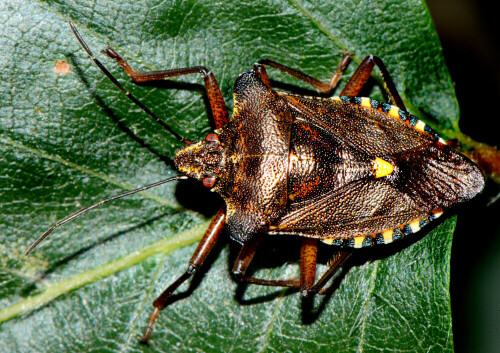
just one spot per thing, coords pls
(348, 171)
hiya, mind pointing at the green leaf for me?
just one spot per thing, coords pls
(68, 140)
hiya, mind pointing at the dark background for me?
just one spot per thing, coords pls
(468, 30)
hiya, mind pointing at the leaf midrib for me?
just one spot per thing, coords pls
(53, 291)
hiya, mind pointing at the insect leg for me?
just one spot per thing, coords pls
(308, 260)
(324, 87)
(308, 257)
(245, 256)
(361, 75)
(119, 86)
(243, 260)
(204, 248)
(217, 104)
(338, 260)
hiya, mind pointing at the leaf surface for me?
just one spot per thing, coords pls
(68, 140)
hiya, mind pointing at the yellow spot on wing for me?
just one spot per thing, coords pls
(420, 126)
(394, 112)
(358, 242)
(387, 235)
(415, 226)
(382, 168)
(365, 102)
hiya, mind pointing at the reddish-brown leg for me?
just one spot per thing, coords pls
(308, 260)
(336, 262)
(118, 84)
(217, 104)
(321, 86)
(361, 75)
(204, 248)
(243, 260)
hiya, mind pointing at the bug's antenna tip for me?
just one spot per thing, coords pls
(39, 240)
(30, 249)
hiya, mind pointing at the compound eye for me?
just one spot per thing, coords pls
(209, 182)
(212, 138)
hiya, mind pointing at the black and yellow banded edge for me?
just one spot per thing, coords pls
(385, 237)
(394, 112)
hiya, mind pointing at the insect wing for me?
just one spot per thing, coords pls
(334, 189)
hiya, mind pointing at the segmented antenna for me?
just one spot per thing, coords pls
(97, 204)
(119, 196)
(117, 84)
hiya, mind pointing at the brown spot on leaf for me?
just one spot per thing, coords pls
(62, 68)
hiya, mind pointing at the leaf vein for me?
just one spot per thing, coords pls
(87, 171)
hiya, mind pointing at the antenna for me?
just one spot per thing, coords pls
(97, 204)
(127, 93)
(127, 193)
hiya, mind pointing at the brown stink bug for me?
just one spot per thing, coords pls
(347, 171)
